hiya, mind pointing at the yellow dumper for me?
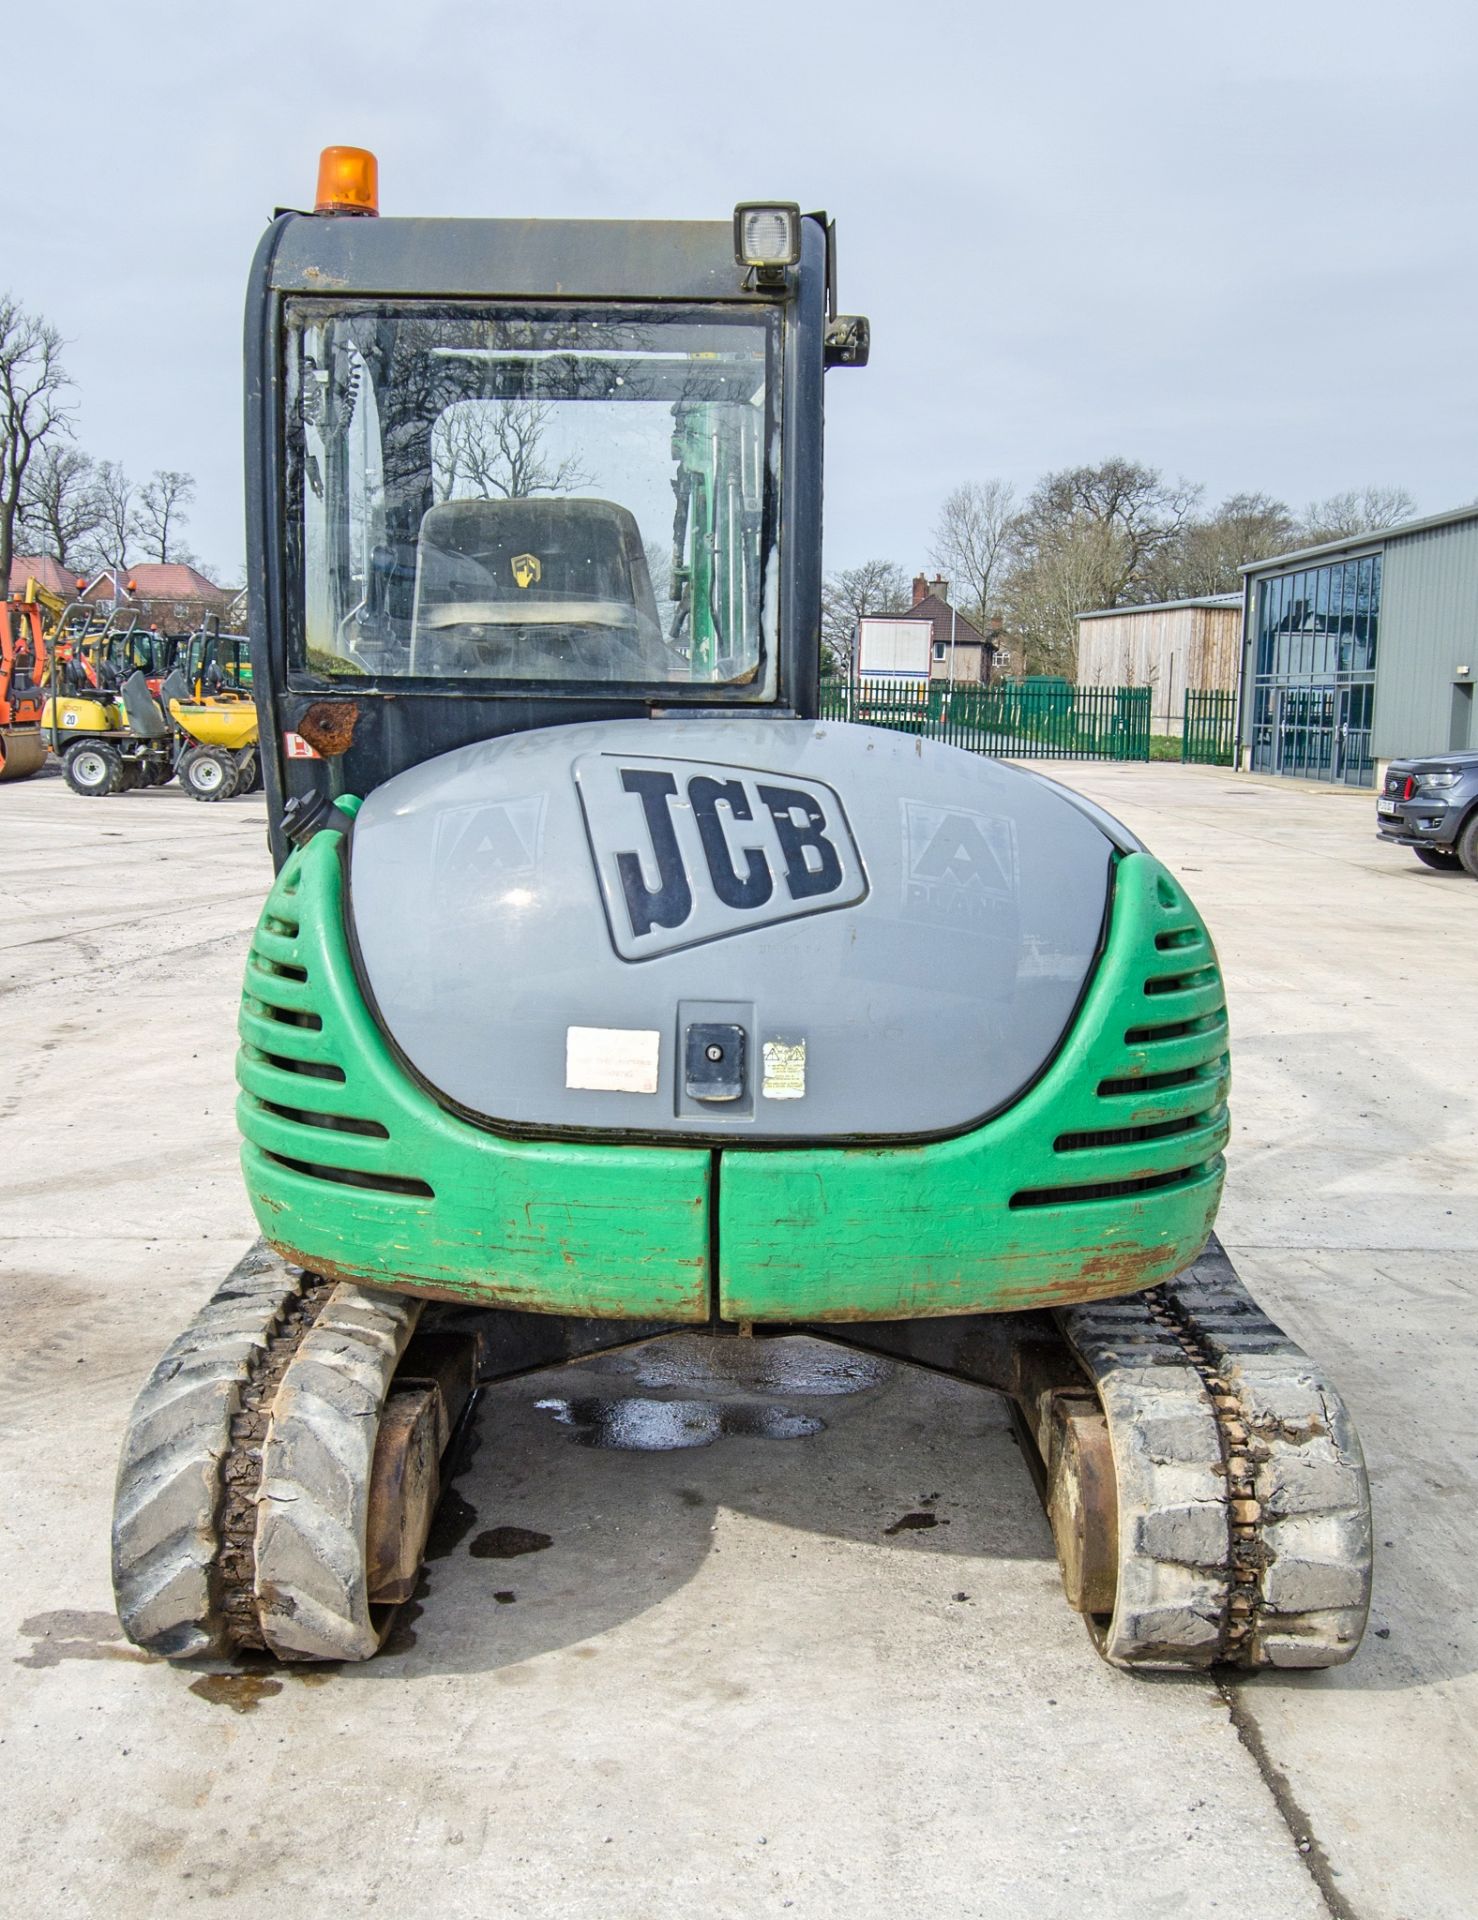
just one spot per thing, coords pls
(219, 754)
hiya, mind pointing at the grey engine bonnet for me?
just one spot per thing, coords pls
(882, 936)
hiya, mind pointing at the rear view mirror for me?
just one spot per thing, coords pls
(847, 341)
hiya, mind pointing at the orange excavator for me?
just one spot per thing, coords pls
(23, 674)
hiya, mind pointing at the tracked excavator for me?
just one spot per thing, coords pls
(22, 695)
(604, 991)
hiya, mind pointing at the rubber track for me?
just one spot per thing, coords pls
(313, 1502)
(1244, 1517)
(169, 1494)
(1305, 1509)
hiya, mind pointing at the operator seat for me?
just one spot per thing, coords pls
(535, 589)
(141, 708)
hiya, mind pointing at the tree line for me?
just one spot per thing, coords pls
(1116, 534)
(55, 499)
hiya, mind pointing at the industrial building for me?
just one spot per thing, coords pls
(1361, 651)
(1172, 647)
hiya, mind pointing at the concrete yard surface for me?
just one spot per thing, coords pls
(814, 1660)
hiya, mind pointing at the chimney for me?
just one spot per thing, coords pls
(940, 589)
(920, 588)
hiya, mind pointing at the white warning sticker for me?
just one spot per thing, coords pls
(784, 1070)
(612, 1059)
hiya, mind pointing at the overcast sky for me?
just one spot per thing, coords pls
(1235, 241)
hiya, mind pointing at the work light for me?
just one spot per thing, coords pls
(767, 233)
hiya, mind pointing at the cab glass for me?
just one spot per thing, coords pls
(548, 496)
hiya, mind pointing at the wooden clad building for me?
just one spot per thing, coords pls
(1168, 647)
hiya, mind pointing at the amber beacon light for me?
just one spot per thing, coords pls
(348, 181)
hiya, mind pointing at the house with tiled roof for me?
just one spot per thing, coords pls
(168, 594)
(47, 572)
(931, 640)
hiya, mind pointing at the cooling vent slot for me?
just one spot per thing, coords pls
(1181, 982)
(1104, 1190)
(310, 1069)
(291, 1016)
(1212, 1023)
(1120, 1136)
(350, 1177)
(1152, 1082)
(333, 1122)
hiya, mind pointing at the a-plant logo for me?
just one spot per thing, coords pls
(692, 850)
(528, 570)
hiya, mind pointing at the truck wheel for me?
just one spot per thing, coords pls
(1439, 859)
(1467, 845)
(93, 768)
(249, 774)
(208, 773)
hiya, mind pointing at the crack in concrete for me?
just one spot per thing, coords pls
(1300, 1827)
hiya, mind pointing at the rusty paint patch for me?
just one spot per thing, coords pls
(328, 726)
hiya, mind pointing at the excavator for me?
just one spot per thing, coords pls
(22, 689)
(604, 991)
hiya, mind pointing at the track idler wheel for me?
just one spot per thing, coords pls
(1082, 1503)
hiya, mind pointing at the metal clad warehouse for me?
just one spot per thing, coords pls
(1361, 651)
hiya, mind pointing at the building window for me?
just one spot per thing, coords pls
(938, 649)
(1313, 684)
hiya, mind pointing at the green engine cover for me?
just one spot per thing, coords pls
(354, 1171)
(1103, 1178)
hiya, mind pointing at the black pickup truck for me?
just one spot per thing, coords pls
(1431, 806)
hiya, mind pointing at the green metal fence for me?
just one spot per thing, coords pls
(1033, 720)
(1209, 735)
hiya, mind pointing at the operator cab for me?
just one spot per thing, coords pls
(507, 475)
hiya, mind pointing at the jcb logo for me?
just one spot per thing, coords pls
(686, 851)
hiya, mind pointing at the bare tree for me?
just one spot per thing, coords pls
(495, 449)
(1345, 516)
(972, 539)
(32, 410)
(118, 516)
(1136, 503)
(1208, 554)
(876, 586)
(1088, 537)
(59, 504)
(1079, 563)
(163, 508)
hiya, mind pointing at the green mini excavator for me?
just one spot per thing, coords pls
(606, 991)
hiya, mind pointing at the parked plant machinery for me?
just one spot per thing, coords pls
(22, 696)
(218, 754)
(509, 1039)
(109, 737)
(216, 662)
(215, 713)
